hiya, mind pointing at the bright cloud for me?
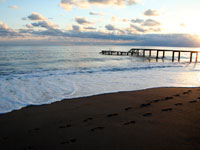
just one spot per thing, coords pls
(68, 4)
(36, 17)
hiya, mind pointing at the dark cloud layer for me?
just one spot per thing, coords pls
(183, 40)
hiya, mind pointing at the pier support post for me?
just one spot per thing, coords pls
(173, 56)
(149, 53)
(138, 52)
(163, 54)
(196, 56)
(179, 56)
(191, 56)
(157, 55)
(143, 53)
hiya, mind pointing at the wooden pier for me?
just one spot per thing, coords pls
(148, 53)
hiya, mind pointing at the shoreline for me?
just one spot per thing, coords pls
(155, 118)
(87, 96)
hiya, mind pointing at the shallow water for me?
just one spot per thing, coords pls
(34, 75)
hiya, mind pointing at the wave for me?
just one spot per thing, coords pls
(86, 70)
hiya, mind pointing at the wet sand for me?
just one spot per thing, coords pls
(151, 119)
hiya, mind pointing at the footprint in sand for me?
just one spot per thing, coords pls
(185, 93)
(147, 114)
(37, 129)
(178, 104)
(69, 141)
(97, 128)
(86, 120)
(177, 95)
(128, 108)
(112, 115)
(193, 101)
(65, 126)
(168, 98)
(156, 101)
(129, 122)
(145, 105)
(167, 109)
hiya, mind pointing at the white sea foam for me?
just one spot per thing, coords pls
(42, 88)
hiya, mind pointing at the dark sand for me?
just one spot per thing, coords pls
(152, 119)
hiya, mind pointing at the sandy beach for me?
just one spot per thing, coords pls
(151, 119)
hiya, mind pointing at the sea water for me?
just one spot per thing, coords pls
(35, 75)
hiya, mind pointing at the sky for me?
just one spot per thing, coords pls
(94, 22)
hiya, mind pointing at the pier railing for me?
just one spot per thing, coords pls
(143, 53)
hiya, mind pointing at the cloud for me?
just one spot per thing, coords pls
(137, 20)
(69, 4)
(44, 24)
(145, 26)
(29, 26)
(96, 14)
(82, 21)
(110, 27)
(76, 28)
(137, 28)
(6, 32)
(36, 17)
(90, 28)
(3, 26)
(13, 7)
(39, 21)
(150, 22)
(151, 12)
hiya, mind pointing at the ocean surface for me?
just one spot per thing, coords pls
(35, 75)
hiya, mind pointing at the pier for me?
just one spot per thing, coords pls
(160, 53)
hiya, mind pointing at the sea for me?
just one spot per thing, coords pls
(36, 75)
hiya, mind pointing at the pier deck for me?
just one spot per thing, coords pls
(142, 53)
